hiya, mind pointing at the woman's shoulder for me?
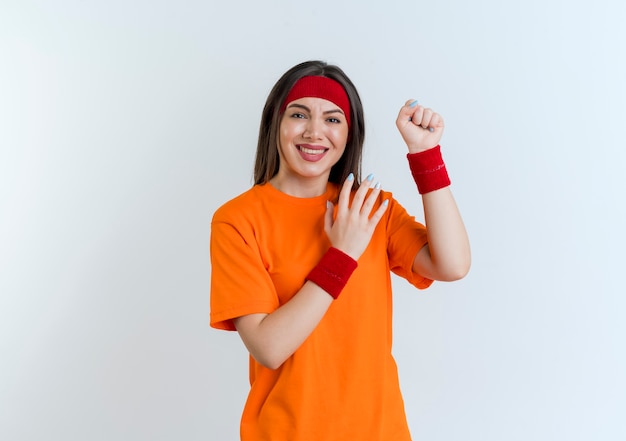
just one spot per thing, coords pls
(244, 202)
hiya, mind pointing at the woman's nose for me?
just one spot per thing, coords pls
(313, 128)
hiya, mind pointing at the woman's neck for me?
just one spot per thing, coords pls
(301, 187)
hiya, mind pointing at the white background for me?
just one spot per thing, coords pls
(125, 124)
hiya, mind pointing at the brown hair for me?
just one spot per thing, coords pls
(267, 160)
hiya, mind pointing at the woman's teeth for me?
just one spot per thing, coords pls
(311, 151)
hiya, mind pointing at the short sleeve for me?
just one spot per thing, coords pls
(240, 284)
(406, 237)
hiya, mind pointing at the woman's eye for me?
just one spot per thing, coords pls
(334, 120)
(297, 115)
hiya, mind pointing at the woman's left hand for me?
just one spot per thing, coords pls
(420, 127)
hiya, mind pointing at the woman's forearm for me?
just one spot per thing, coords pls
(272, 338)
(447, 256)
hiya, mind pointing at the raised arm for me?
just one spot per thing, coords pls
(272, 338)
(447, 255)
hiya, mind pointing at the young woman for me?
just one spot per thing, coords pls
(301, 262)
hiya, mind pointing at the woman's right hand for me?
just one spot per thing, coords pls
(353, 226)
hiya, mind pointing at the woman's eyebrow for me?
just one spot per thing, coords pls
(302, 106)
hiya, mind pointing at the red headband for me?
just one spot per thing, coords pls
(320, 87)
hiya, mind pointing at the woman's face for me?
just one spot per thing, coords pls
(312, 137)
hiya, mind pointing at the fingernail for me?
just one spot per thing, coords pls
(377, 186)
(328, 204)
(386, 202)
(413, 104)
(350, 177)
(370, 177)
(430, 129)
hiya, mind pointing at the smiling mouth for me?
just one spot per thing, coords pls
(312, 151)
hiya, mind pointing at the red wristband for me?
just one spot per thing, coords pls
(428, 170)
(333, 271)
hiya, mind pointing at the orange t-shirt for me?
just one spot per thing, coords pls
(342, 382)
